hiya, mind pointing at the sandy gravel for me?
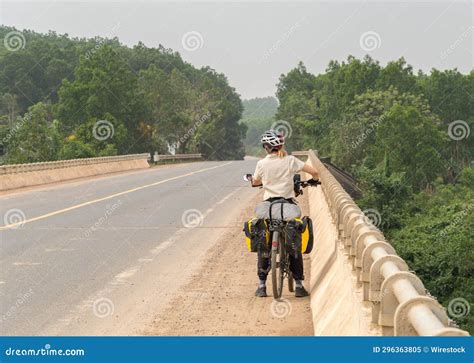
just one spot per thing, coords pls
(219, 299)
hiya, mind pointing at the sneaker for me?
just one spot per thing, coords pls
(261, 292)
(301, 292)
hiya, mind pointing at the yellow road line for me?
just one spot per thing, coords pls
(13, 225)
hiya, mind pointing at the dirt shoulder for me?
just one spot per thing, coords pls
(219, 299)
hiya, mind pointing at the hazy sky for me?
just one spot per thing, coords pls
(254, 42)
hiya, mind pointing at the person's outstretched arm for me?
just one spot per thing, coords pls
(257, 176)
(310, 170)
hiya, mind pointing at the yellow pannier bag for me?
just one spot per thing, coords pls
(307, 236)
(257, 235)
(299, 235)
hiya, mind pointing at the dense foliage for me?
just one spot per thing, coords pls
(258, 116)
(407, 137)
(72, 98)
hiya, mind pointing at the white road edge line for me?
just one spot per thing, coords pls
(13, 225)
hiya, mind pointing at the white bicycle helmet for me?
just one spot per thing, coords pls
(272, 139)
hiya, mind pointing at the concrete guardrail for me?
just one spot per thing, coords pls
(398, 297)
(49, 165)
(158, 158)
(25, 175)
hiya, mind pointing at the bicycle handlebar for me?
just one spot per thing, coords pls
(296, 183)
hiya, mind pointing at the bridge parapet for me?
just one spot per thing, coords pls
(398, 297)
(49, 165)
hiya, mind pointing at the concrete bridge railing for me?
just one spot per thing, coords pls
(49, 165)
(25, 175)
(398, 297)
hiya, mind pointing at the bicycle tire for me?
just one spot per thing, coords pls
(277, 273)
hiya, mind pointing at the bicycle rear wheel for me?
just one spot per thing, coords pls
(278, 255)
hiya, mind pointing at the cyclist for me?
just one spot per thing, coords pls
(275, 173)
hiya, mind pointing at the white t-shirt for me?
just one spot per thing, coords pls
(277, 174)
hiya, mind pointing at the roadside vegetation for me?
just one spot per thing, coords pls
(258, 116)
(64, 98)
(407, 137)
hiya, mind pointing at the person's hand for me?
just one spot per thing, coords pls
(313, 182)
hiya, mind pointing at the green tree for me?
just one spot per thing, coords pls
(103, 83)
(103, 136)
(398, 74)
(410, 139)
(34, 137)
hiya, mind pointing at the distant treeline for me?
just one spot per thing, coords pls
(63, 98)
(408, 138)
(258, 116)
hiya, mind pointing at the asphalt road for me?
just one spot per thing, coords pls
(78, 258)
